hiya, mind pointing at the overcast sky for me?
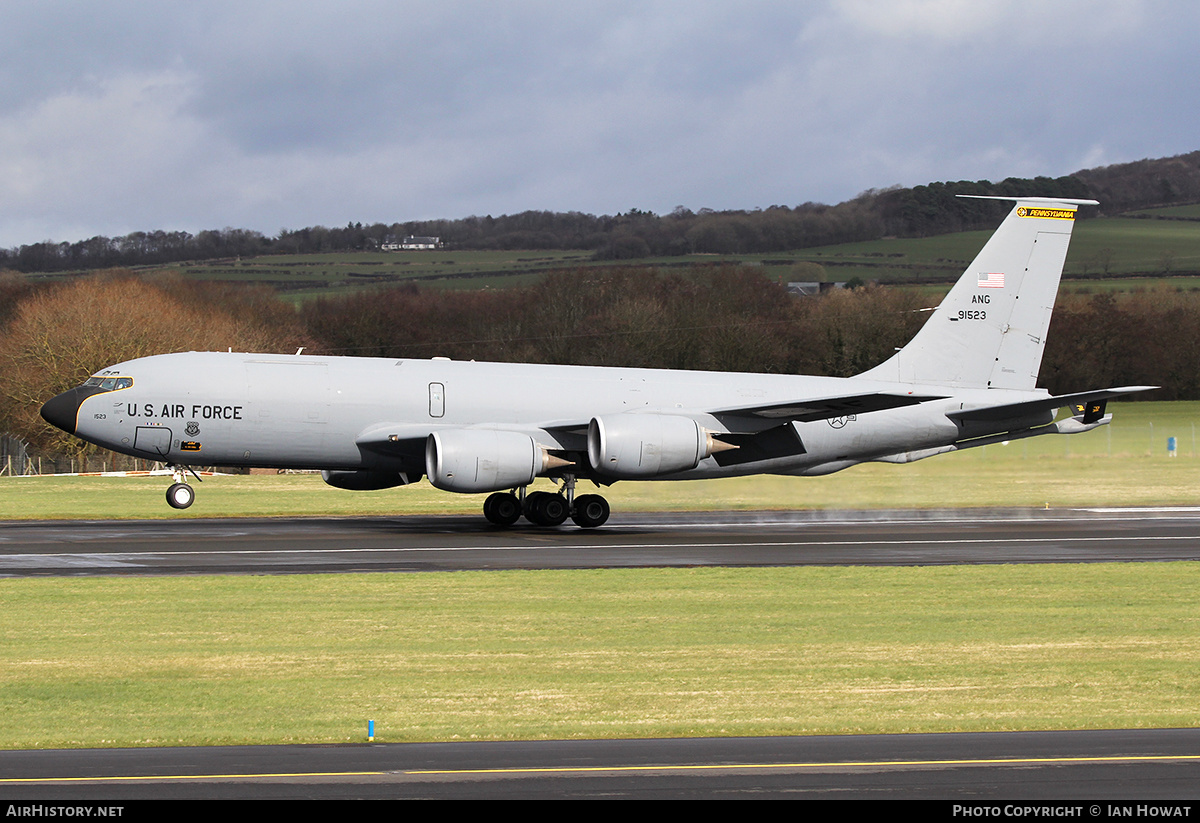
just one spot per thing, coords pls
(123, 116)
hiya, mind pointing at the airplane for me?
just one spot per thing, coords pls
(966, 379)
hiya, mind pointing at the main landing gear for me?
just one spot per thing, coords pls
(547, 508)
(180, 495)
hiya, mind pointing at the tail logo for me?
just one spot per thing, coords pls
(1053, 214)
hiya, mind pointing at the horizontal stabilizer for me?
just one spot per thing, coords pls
(1047, 200)
(1009, 410)
(824, 408)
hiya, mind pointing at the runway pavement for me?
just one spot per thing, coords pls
(424, 543)
(1092, 768)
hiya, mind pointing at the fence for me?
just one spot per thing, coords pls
(19, 459)
(14, 456)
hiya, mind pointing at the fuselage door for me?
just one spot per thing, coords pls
(152, 439)
(437, 400)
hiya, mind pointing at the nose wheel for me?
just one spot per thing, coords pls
(180, 495)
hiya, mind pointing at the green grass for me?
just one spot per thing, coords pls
(1121, 284)
(1125, 463)
(607, 653)
(1139, 247)
(1190, 211)
(303, 276)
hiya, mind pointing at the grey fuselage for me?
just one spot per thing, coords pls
(349, 413)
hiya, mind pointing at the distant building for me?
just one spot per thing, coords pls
(411, 242)
(811, 289)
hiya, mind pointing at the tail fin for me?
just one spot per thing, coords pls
(990, 330)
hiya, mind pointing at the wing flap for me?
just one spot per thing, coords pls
(1028, 407)
(824, 408)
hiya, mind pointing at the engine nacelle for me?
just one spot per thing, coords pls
(645, 445)
(483, 460)
(366, 480)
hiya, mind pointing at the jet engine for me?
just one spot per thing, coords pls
(644, 445)
(485, 460)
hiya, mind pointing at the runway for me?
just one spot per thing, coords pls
(430, 543)
(1085, 766)
(1128, 765)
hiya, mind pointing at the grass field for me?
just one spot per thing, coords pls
(1189, 212)
(311, 275)
(1138, 247)
(621, 653)
(607, 653)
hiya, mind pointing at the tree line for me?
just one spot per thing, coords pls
(902, 212)
(717, 318)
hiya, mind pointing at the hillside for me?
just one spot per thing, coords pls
(921, 211)
(1106, 252)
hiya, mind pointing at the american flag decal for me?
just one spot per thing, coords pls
(991, 280)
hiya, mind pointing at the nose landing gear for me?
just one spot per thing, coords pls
(180, 495)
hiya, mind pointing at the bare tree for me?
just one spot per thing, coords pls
(59, 337)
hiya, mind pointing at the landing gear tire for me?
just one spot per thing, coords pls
(531, 501)
(546, 509)
(180, 496)
(502, 509)
(591, 510)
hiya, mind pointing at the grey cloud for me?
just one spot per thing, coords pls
(123, 116)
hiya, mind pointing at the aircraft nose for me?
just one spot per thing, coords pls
(63, 410)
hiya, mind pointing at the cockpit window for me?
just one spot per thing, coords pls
(108, 383)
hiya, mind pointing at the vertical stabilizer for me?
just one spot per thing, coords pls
(990, 331)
